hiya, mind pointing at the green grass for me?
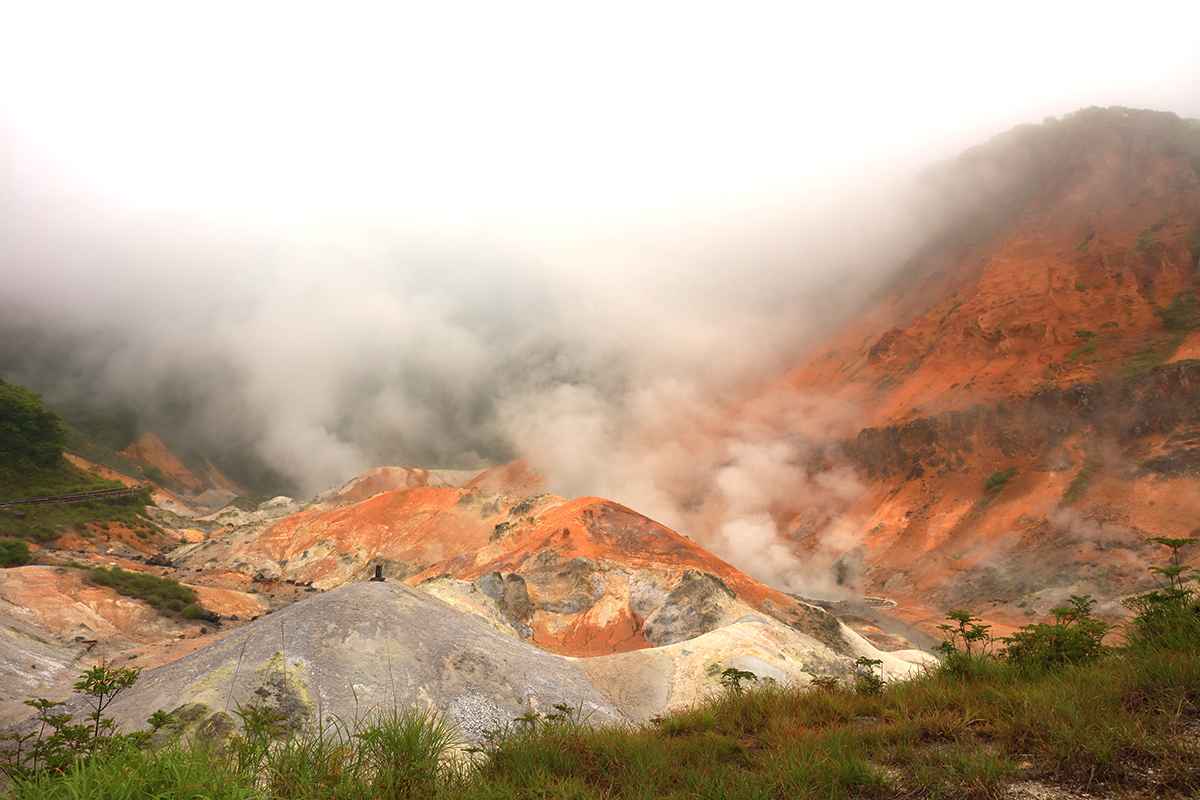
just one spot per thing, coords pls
(45, 523)
(1088, 718)
(167, 595)
(1181, 316)
(1111, 724)
(1146, 242)
(62, 477)
(962, 732)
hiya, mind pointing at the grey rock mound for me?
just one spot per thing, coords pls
(363, 647)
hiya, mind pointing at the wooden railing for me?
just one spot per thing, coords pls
(77, 497)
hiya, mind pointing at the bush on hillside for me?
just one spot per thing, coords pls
(1180, 317)
(995, 482)
(14, 553)
(165, 594)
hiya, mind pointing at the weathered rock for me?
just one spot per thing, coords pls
(371, 646)
(362, 647)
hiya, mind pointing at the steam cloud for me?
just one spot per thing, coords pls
(619, 357)
(609, 356)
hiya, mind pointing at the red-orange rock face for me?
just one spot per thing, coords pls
(149, 450)
(584, 577)
(1014, 345)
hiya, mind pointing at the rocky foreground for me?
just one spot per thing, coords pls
(520, 602)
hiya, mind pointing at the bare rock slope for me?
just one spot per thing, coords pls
(380, 645)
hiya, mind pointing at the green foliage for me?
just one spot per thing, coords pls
(1193, 241)
(101, 685)
(1180, 316)
(1109, 725)
(194, 611)
(732, 679)
(1168, 617)
(866, 680)
(155, 474)
(1091, 342)
(1146, 242)
(44, 523)
(1086, 243)
(111, 427)
(60, 746)
(178, 772)
(996, 482)
(165, 594)
(968, 634)
(966, 644)
(14, 553)
(1105, 726)
(249, 749)
(31, 438)
(31, 465)
(1075, 637)
(1148, 359)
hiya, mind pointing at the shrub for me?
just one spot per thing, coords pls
(165, 594)
(966, 645)
(1075, 637)
(1169, 616)
(43, 523)
(14, 553)
(1180, 316)
(194, 611)
(155, 474)
(57, 747)
(1146, 242)
(997, 480)
(732, 679)
(867, 681)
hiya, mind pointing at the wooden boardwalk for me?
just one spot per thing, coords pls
(77, 497)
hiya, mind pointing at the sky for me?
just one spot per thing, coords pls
(445, 234)
(549, 112)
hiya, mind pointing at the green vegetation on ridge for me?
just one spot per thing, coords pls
(32, 465)
(31, 438)
(165, 594)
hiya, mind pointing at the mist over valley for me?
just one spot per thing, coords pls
(540, 359)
